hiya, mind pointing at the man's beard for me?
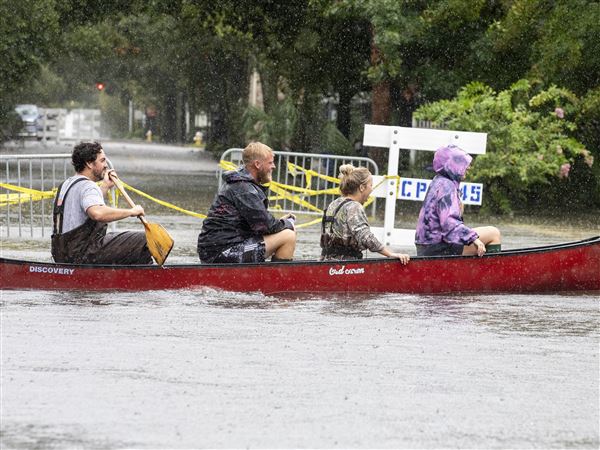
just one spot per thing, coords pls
(264, 177)
(99, 176)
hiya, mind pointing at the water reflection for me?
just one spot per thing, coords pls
(32, 437)
(532, 315)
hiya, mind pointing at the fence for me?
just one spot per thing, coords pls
(25, 214)
(304, 170)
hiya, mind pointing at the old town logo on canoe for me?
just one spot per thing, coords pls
(344, 271)
(56, 270)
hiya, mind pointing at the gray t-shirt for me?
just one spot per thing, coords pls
(81, 196)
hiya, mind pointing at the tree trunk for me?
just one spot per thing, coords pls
(380, 103)
(169, 117)
(343, 113)
(268, 82)
(307, 137)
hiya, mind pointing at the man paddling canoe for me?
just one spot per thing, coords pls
(81, 216)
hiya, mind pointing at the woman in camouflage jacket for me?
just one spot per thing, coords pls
(345, 232)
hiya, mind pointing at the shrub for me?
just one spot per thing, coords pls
(530, 143)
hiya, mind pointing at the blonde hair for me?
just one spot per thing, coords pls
(352, 178)
(256, 151)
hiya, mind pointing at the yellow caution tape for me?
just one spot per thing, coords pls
(227, 165)
(294, 194)
(287, 192)
(163, 203)
(23, 195)
(294, 169)
(281, 191)
(308, 224)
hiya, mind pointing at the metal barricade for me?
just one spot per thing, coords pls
(324, 164)
(44, 172)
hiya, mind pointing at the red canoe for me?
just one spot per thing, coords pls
(573, 266)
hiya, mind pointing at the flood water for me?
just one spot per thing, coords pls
(201, 369)
(205, 368)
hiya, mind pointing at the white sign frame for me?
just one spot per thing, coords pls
(396, 138)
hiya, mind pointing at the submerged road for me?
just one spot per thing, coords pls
(132, 156)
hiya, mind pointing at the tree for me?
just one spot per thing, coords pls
(28, 34)
(553, 42)
(531, 145)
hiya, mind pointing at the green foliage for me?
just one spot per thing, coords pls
(275, 129)
(429, 45)
(47, 89)
(555, 42)
(430, 49)
(201, 52)
(334, 142)
(588, 126)
(28, 36)
(530, 136)
(278, 128)
(10, 126)
(114, 115)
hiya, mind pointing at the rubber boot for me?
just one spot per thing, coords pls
(493, 248)
(276, 259)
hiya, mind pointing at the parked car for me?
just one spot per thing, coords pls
(29, 116)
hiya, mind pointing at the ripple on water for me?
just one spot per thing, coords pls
(357, 370)
(541, 315)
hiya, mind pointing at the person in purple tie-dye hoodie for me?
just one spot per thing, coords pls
(441, 230)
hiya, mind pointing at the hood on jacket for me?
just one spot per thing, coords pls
(452, 162)
(233, 176)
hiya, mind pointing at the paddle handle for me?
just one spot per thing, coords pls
(121, 189)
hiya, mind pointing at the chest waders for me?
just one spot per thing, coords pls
(89, 243)
(79, 245)
(333, 246)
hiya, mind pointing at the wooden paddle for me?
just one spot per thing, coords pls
(158, 239)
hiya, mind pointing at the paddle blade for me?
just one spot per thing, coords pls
(159, 242)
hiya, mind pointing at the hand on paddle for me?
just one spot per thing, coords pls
(108, 178)
(159, 241)
(109, 181)
(137, 211)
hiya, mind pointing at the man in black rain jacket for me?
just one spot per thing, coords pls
(239, 228)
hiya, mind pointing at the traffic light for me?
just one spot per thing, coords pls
(100, 86)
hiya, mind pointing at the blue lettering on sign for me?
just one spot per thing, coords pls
(415, 189)
(421, 188)
(404, 184)
(475, 193)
